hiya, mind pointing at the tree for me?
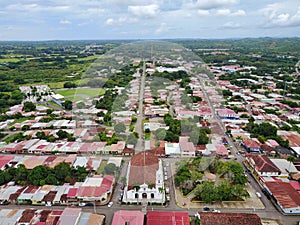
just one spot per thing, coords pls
(62, 134)
(110, 169)
(29, 107)
(25, 127)
(160, 134)
(70, 85)
(123, 180)
(120, 128)
(131, 139)
(61, 171)
(68, 105)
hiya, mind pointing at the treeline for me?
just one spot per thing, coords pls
(198, 136)
(41, 175)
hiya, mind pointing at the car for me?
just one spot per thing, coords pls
(81, 204)
(168, 198)
(167, 190)
(110, 204)
(89, 204)
(166, 177)
(121, 197)
(206, 209)
(216, 211)
(258, 194)
(4, 202)
(167, 163)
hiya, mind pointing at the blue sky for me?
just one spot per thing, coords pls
(147, 19)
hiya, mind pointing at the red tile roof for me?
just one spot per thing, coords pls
(167, 218)
(251, 143)
(263, 164)
(96, 191)
(143, 168)
(123, 216)
(210, 218)
(72, 192)
(285, 194)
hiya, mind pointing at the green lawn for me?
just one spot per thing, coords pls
(100, 170)
(90, 92)
(21, 120)
(7, 60)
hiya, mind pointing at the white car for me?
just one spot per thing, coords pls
(167, 190)
(110, 204)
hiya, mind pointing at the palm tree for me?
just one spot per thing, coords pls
(291, 159)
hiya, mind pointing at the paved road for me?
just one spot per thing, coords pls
(140, 146)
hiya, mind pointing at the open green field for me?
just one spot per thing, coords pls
(90, 92)
(7, 60)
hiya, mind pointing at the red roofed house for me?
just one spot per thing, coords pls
(251, 145)
(226, 114)
(96, 188)
(128, 217)
(221, 150)
(144, 179)
(167, 218)
(261, 166)
(209, 218)
(187, 148)
(286, 197)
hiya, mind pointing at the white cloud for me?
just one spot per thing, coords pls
(110, 22)
(37, 8)
(231, 25)
(279, 15)
(211, 4)
(144, 11)
(228, 12)
(162, 28)
(202, 12)
(65, 22)
(120, 21)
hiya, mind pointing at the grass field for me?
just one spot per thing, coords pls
(90, 92)
(100, 170)
(7, 60)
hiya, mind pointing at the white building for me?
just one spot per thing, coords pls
(145, 183)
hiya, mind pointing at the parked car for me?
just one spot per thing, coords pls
(81, 204)
(167, 190)
(206, 209)
(216, 211)
(4, 202)
(168, 198)
(121, 197)
(258, 194)
(110, 204)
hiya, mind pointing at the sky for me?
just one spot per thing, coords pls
(147, 19)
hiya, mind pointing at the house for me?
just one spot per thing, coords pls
(261, 166)
(187, 148)
(167, 218)
(251, 145)
(221, 151)
(96, 189)
(226, 114)
(70, 216)
(172, 148)
(128, 217)
(209, 218)
(285, 196)
(144, 179)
